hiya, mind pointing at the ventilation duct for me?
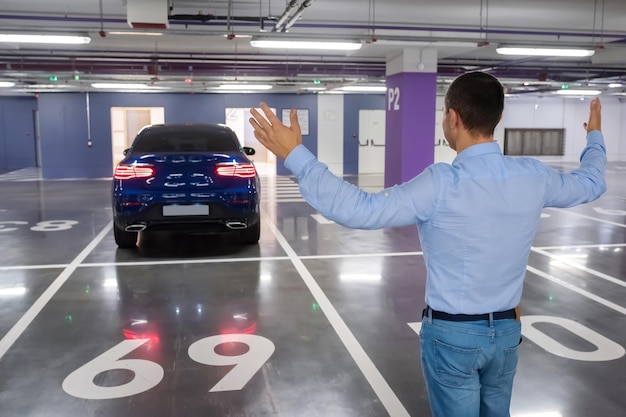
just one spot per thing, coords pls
(293, 19)
(147, 14)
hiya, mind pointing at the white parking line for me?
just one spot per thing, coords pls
(580, 291)
(380, 386)
(321, 219)
(587, 217)
(25, 267)
(595, 245)
(16, 331)
(581, 267)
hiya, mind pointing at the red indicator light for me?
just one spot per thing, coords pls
(127, 172)
(236, 170)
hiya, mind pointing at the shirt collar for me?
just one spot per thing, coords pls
(478, 149)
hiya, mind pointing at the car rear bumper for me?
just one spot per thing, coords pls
(219, 220)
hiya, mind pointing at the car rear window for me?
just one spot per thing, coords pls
(185, 142)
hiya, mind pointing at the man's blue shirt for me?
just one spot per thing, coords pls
(476, 218)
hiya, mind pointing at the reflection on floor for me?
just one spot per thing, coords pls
(315, 320)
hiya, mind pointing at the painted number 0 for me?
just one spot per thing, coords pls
(607, 350)
(148, 374)
(393, 95)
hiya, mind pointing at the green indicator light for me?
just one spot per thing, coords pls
(550, 298)
(317, 81)
(315, 306)
(564, 86)
(53, 78)
(87, 289)
(76, 77)
(68, 317)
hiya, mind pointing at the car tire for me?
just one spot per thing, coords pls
(250, 235)
(124, 239)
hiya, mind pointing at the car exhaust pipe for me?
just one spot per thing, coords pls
(138, 227)
(236, 225)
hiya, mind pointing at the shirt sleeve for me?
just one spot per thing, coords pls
(350, 206)
(582, 185)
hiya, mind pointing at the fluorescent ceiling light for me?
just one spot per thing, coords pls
(615, 85)
(568, 92)
(528, 51)
(7, 83)
(364, 88)
(237, 87)
(399, 42)
(56, 39)
(136, 33)
(305, 44)
(119, 86)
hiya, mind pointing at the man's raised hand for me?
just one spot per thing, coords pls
(273, 134)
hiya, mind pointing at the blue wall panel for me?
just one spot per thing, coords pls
(63, 129)
(63, 121)
(352, 104)
(17, 133)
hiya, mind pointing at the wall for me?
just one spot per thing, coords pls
(330, 110)
(280, 102)
(64, 133)
(570, 114)
(17, 133)
(63, 121)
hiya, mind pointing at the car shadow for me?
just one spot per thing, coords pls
(191, 245)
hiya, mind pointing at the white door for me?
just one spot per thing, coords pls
(371, 141)
(126, 122)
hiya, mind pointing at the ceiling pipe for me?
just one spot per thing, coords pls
(283, 18)
(618, 38)
(297, 15)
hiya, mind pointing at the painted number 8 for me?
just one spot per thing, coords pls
(53, 225)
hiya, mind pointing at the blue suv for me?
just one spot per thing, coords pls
(194, 177)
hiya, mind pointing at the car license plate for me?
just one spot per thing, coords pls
(192, 210)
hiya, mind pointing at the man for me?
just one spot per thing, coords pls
(477, 219)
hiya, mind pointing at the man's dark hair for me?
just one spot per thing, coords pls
(478, 98)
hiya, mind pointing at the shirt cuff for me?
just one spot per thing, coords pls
(297, 159)
(595, 136)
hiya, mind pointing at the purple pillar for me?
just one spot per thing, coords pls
(409, 125)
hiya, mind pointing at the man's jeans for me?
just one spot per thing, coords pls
(469, 366)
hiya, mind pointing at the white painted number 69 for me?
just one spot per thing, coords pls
(148, 374)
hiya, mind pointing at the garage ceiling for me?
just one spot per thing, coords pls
(207, 43)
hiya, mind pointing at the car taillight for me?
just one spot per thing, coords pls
(128, 172)
(236, 170)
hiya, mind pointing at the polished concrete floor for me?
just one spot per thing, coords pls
(317, 320)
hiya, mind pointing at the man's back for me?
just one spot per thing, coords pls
(477, 239)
